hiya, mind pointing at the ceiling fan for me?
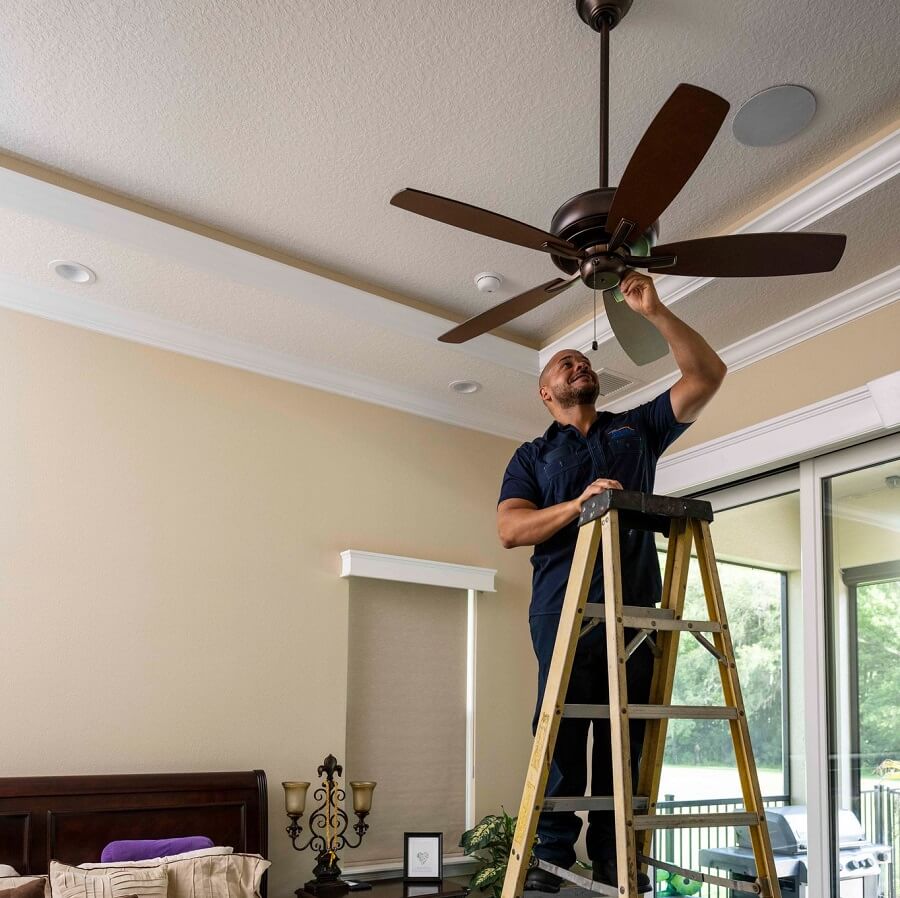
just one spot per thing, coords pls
(599, 234)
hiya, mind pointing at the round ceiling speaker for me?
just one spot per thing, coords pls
(774, 115)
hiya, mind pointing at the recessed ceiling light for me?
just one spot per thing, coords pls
(74, 272)
(774, 115)
(465, 386)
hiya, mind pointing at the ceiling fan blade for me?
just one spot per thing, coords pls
(754, 255)
(642, 342)
(667, 155)
(481, 221)
(506, 311)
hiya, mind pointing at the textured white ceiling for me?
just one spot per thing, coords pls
(293, 123)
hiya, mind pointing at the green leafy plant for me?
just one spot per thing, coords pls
(490, 842)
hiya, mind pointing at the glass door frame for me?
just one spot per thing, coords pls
(809, 478)
(821, 737)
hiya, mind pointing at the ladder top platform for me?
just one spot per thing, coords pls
(644, 511)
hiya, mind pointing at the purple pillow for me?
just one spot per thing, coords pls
(148, 849)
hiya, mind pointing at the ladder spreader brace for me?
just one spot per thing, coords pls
(684, 521)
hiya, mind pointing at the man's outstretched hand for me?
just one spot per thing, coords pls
(640, 293)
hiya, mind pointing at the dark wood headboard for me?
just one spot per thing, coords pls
(71, 818)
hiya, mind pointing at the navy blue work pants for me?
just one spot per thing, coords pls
(589, 684)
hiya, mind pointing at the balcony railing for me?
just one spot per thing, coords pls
(879, 814)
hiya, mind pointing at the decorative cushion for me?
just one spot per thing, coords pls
(153, 862)
(145, 849)
(33, 888)
(205, 875)
(142, 882)
(13, 882)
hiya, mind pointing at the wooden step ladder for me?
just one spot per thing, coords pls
(683, 520)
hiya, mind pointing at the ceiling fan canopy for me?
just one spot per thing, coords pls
(599, 234)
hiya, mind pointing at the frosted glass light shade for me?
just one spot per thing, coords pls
(295, 797)
(362, 797)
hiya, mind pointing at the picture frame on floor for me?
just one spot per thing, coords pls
(423, 857)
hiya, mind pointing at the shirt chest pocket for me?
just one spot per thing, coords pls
(566, 472)
(625, 451)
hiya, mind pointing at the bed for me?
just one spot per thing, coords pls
(71, 818)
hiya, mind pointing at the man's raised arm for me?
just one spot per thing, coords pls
(702, 371)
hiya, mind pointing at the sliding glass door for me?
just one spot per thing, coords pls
(861, 530)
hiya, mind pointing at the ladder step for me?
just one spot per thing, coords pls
(637, 618)
(655, 712)
(591, 885)
(736, 885)
(686, 821)
(591, 803)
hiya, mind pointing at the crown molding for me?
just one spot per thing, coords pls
(863, 172)
(35, 195)
(161, 333)
(814, 429)
(356, 563)
(870, 295)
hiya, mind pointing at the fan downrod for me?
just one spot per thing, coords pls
(593, 12)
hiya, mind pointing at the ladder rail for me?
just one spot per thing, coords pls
(740, 731)
(619, 722)
(586, 548)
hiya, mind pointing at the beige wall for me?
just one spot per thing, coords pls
(839, 360)
(169, 590)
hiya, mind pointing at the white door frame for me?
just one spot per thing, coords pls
(813, 473)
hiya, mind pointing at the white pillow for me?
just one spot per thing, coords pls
(208, 876)
(73, 882)
(154, 861)
(6, 870)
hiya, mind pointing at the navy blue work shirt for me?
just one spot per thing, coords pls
(560, 465)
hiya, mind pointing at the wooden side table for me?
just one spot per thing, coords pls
(396, 888)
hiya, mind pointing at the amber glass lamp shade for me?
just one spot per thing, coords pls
(295, 797)
(362, 797)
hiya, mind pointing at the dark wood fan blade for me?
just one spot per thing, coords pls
(754, 255)
(506, 311)
(667, 155)
(642, 342)
(481, 221)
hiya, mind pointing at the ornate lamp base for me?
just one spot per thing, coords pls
(333, 889)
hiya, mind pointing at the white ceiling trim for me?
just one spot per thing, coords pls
(812, 430)
(836, 188)
(24, 193)
(161, 333)
(402, 569)
(870, 295)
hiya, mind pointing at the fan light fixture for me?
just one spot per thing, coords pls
(74, 272)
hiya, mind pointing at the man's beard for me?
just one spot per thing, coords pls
(584, 394)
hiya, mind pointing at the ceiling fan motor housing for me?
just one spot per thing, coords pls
(582, 221)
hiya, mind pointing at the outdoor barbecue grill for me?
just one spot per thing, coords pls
(859, 861)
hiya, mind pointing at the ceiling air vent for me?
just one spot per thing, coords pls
(611, 382)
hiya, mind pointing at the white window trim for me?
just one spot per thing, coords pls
(402, 569)
(862, 414)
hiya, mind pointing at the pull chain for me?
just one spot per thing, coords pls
(594, 344)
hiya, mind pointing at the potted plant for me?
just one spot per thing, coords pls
(490, 842)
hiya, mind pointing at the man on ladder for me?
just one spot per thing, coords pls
(582, 454)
